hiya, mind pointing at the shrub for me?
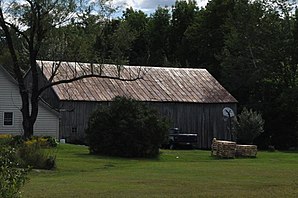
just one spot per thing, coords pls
(32, 154)
(52, 142)
(35, 152)
(248, 126)
(44, 142)
(17, 140)
(5, 139)
(126, 128)
(12, 178)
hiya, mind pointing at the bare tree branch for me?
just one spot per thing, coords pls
(85, 76)
(18, 31)
(55, 68)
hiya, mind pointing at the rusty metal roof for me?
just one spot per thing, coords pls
(157, 84)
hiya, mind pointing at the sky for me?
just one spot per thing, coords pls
(149, 6)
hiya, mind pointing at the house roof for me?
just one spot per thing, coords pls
(157, 84)
(42, 102)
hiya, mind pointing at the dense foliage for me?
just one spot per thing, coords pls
(250, 47)
(126, 128)
(248, 126)
(12, 177)
(37, 152)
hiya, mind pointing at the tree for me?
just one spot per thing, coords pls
(26, 26)
(258, 66)
(183, 15)
(137, 22)
(207, 35)
(243, 49)
(158, 37)
(104, 41)
(248, 126)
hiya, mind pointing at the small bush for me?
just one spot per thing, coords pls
(248, 126)
(44, 142)
(32, 154)
(35, 152)
(17, 140)
(52, 142)
(12, 178)
(5, 139)
(126, 128)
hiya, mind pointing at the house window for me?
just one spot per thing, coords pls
(8, 119)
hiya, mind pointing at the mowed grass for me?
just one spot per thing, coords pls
(186, 173)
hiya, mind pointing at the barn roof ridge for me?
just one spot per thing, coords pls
(130, 66)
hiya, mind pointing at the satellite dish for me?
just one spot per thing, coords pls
(228, 112)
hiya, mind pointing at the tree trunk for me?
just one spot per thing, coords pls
(28, 128)
(29, 120)
(28, 132)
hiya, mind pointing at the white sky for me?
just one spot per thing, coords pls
(149, 6)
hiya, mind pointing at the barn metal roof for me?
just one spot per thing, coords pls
(157, 84)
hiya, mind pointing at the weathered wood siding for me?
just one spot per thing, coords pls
(204, 119)
(47, 123)
(74, 118)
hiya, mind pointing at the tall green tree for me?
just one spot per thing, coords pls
(257, 65)
(137, 22)
(183, 15)
(103, 46)
(158, 37)
(207, 35)
(243, 50)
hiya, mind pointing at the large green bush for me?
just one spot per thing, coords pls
(12, 177)
(248, 126)
(126, 128)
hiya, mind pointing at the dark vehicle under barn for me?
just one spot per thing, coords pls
(176, 139)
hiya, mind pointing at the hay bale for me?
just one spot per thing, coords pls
(223, 149)
(214, 147)
(246, 150)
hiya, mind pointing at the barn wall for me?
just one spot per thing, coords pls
(74, 118)
(204, 119)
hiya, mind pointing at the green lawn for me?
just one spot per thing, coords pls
(188, 173)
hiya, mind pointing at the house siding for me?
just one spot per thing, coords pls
(47, 123)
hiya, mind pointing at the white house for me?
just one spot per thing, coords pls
(47, 123)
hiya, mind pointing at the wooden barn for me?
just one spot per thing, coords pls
(47, 123)
(191, 98)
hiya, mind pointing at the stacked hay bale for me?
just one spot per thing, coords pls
(214, 147)
(223, 149)
(246, 150)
